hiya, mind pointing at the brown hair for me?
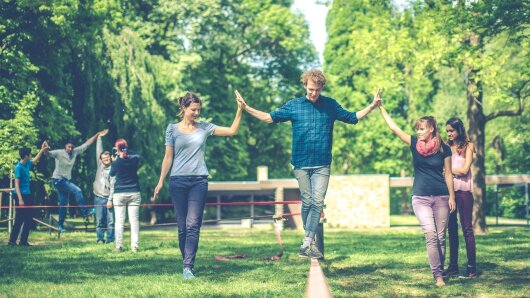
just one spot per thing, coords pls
(431, 121)
(186, 100)
(315, 75)
(462, 141)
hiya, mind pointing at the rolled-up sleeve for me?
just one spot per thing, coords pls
(344, 115)
(170, 141)
(282, 114)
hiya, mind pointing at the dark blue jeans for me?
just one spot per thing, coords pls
(188, 194)
(23, 219)
(64, 188)
(104, 219)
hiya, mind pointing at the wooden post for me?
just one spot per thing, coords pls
(278, 197)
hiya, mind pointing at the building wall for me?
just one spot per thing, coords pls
(358, 201)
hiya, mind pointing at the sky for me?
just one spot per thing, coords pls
(315, 15)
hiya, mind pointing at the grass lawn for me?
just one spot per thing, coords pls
(410, 220)
(386, 262)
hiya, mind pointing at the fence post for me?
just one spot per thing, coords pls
(278, 209)
(526, 202)
(496, 189)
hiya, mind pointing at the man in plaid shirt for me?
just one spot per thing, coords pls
(312, 117)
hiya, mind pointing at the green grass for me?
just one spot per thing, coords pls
(394, 263)
(410, 220)
(385, 262)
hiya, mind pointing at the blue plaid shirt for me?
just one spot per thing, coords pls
(312, 128)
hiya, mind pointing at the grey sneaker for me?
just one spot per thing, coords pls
(314, 253)
(304, 252)
(187, 273)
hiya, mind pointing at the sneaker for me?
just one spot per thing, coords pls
(303, 252)
(471, 272)
(117, 249)
(100, 241)
(61, 229)
(11, 244)
(187, 273)
(440, 282)
(314, 252)
(24, 244)
(450, 271)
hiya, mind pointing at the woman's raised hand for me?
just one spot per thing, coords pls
(378, 101)
(103, 132)
(241, 104)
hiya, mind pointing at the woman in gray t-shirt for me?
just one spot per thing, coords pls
(188, 184)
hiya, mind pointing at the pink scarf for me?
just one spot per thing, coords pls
(428, 148)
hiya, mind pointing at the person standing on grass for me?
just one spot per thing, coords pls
(433, 197)
(462, 158)
(64, 162)
(312, 117)
(23, 197)
(188, 183)
(125, 193)
(104, 215)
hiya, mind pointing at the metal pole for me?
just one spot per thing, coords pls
(319, 237)
(252, 206)
(10, 212)
(218, 207)
(526, 202)
(1, 198)
(496, 205)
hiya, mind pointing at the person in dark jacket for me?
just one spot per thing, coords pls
(125, 193)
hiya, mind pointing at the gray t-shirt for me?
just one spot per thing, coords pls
(188, 149)
(65, 162)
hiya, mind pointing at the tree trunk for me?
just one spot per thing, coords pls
(476, 132)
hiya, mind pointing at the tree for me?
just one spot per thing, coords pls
(479, 26)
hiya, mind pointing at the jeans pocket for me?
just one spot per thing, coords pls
(58, 182)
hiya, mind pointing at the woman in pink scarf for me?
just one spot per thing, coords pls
(432, 192)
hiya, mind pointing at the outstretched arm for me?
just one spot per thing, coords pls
(43, 148)
(166, 164)
(393, 126)
(222, 131)
(93, 138)
(89, 142)
(256, 113)
(375, 103)
(99, 145)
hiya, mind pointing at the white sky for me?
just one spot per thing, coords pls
(315, 15)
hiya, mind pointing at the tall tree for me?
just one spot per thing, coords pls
(478, 26)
